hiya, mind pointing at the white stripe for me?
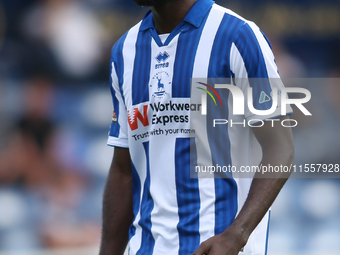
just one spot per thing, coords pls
(165, 74)
(164, 216)
(129, 54)
(122, 116)
(239, 137)
(258, 239)
(206, 185)
(246, 139)
(237, 65)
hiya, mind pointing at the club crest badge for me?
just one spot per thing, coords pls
(160, 84)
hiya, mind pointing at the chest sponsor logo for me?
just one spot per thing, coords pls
(161, 114)
(135, 115)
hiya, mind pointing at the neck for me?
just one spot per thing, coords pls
(170, 14)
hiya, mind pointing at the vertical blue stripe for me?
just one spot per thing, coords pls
(185, 57)
(219, 66)
(136, 193)
(118, 63)
(141, 69)
(148, 241)
(265, 252)
(225, 203)
(187, 197)
(251, 52)
(118, 60)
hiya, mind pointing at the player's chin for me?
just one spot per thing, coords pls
(146, 2)
(151, 2)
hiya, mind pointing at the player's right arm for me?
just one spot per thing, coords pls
(117, 205)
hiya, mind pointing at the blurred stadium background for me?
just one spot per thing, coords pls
(55, 109)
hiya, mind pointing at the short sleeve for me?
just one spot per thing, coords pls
(253, 65)
(118, 135)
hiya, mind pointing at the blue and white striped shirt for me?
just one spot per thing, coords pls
(151, 87)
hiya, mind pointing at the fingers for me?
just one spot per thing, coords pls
(202, 249)
(219, 245)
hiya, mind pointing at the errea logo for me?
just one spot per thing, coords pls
(161, 59)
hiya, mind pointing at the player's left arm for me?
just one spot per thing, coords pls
(278, 149)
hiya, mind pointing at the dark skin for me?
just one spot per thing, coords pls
(117, 204)
(167, 14)
(277, 147)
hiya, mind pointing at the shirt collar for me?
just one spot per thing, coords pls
(195, 16)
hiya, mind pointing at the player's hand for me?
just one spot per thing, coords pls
(230, 242)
